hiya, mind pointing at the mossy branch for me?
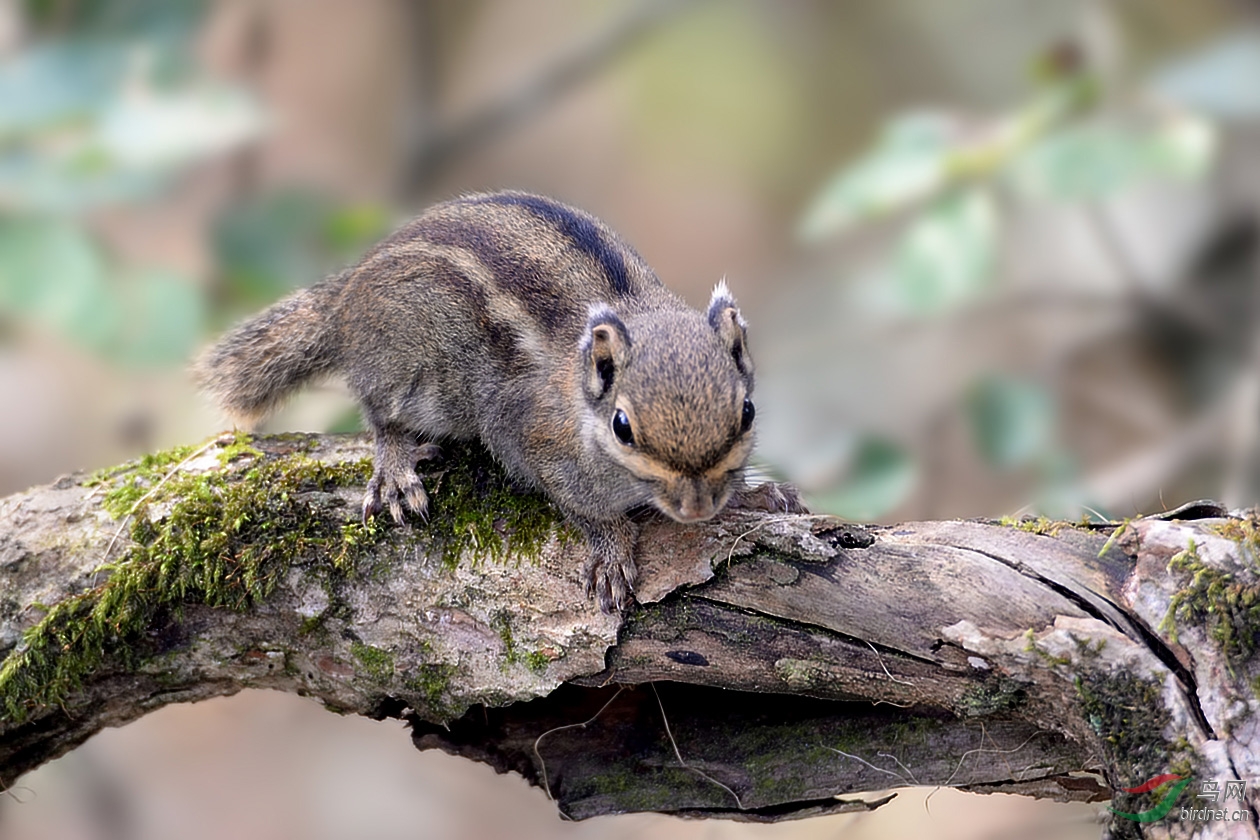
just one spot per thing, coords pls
(777, 665)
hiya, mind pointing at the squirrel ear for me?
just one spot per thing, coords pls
(725, 319)
(604, 346)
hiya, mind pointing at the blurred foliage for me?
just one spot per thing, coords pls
(880, 477)
(104, 106)
(270, 244)
(151, 19)
(1012, 420)
(1217, 81)
(950, 182)
(716, 69)
(945, 256)
(54, 274)
(100, 107)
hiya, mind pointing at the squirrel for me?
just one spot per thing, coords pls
(530, 325)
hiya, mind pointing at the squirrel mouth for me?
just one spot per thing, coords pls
(688, 516)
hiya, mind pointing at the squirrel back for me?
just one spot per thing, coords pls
(512, 272)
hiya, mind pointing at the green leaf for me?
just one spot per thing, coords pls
(1219, 80)
(349, 421)
(1096, 160)
(90, 121)
(52, 273)
(350, 230)
(165, 318)
(1012, 421)
(161, 130)
(290, 238)
(946, 256)
(56, 83)
(881, 477)
(909, 162)
(269, 246)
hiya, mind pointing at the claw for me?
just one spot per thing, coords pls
(395, 484)
(609, 572)
(371, 506)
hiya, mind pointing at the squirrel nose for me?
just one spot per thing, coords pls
(694, 507)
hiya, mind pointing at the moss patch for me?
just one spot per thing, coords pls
(537, 660)
(1042, 525)
(127, 483)
(1217, 600)
(241, 446)
(995, 694)
(474, 510)
(1129, 717)
(376, 663)
(431, 681)
(227, 539)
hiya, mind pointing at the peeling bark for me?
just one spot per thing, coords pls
(777, 666)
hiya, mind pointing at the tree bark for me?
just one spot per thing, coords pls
(777, 665)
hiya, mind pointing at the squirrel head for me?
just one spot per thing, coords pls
(670, 401)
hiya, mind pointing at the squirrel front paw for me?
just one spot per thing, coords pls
(609, 573)
(770, 497)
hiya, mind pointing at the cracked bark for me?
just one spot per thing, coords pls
(777, 665)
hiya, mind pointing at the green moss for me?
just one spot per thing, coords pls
(1116, 535)
(431, 681)
(152, 461)
(474, 510)
(537, 661)
(1030, 646)
(1217, 600)
(376, 663)
(226, 538)
(779, 778)
(128, 483)
(241, 446)
(995, 694)
(1245, 532)
(1129, 717)
(1042, 525)
(226, 541)
(356, 538)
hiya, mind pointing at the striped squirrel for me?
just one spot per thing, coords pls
(532, 326)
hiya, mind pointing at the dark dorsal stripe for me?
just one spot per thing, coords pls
(583, 232)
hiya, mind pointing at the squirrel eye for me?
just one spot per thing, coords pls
(750, 411)
(621, 428)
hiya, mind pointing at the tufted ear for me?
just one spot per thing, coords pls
(605, 346)
(724, 317)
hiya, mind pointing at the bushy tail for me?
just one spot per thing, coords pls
(252, 369)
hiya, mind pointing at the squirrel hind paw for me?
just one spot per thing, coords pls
(396, 492)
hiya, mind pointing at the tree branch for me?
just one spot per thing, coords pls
(777, 666)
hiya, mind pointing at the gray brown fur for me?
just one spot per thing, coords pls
(527, 324)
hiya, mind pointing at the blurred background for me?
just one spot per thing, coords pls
(998, 257)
